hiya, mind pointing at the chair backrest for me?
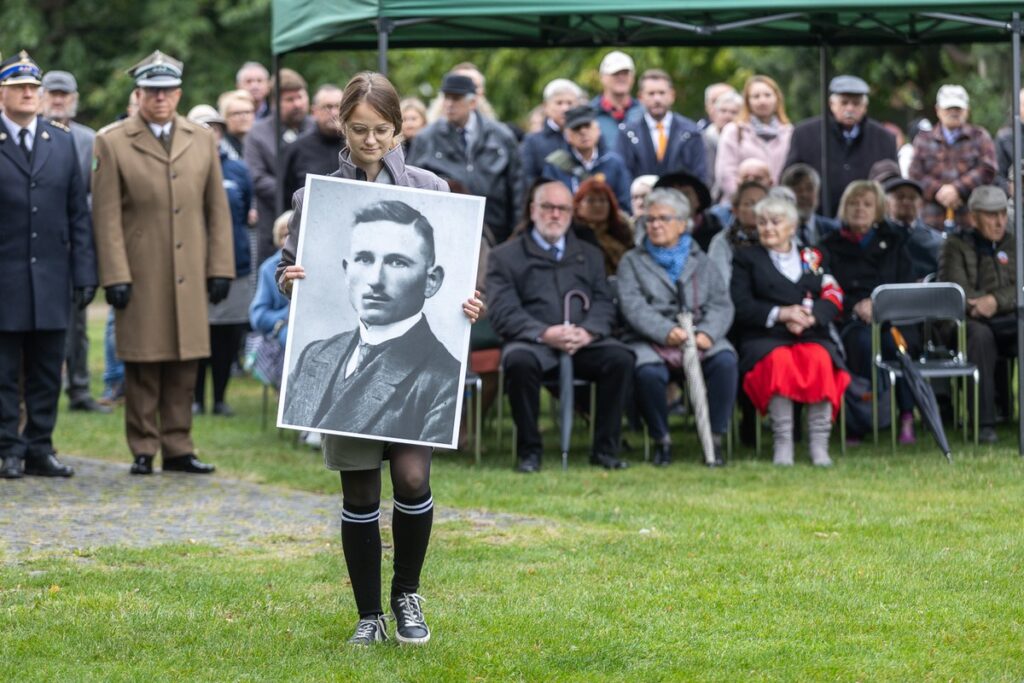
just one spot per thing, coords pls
(917, 302)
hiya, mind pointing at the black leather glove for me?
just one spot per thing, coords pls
(83, 296)
(217, 288)
(119, 295)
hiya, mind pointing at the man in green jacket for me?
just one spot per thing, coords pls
(982, 261)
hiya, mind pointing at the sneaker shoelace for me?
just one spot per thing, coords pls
(411, 612)
(367, 628)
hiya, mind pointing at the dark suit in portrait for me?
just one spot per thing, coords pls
(405, 388)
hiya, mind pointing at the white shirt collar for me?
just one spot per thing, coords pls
(378, 334)
(13, 128)
(653, 124)
(588, 164)
(157, 128)
(788, 263)
(552, 125)
(545, 245)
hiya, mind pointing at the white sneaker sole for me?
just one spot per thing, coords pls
(412, 641)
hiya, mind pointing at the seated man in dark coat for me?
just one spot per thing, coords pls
(390, 377)
(527, 280)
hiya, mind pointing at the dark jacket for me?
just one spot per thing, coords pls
(924, 244)
(535, 148)
(564, 166)
(884, 261)
(407, 388)
(846, 161)
(401, 175)
(490, 170)
(684, 151)
(526, 287)
(981, 267)
(46, 241)
(757, 287)
(312, 152)
(238, 186)
(260, 155)
(966, 164)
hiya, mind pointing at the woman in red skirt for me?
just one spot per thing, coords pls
(785, 300)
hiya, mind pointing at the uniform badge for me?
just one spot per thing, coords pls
(810, 259)
(46, 136)
(3, 136)
(1003, 258)
(882, 244)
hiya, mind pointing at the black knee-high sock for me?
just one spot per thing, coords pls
(410, 525)
(360, 539)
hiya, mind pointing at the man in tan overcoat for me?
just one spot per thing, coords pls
(163, 236)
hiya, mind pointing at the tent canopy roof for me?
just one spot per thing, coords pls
(300, 25)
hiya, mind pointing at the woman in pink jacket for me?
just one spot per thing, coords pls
(761, 131)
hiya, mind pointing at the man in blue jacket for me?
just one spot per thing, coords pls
(47, 251)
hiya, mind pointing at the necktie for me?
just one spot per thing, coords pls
(23, 143)
(553, 250)
(662, 140)
(464, 140)
(361, 354)
(165, 140)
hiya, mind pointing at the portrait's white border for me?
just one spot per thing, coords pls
(472, 252)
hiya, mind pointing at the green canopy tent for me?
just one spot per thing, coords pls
(306, 25)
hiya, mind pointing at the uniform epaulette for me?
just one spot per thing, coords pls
(61, 126)
(110, 126)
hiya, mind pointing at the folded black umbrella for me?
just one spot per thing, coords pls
(566, 381)
(923, 393)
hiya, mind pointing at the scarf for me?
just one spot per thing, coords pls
(672, 259)
(739, 236)
(766, 131)
(863, 240)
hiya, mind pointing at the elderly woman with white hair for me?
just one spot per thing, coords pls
(669, 272)
(560, 95)
(785, 300)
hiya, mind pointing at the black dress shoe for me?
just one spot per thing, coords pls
(719, 459)
(529, 463)
(609, 462)
(89, 405)
(13, 467)
(143, 464)
(662, 454)
(187, 463)
(47, 466)
(223, 409)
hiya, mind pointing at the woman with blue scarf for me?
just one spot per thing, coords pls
(667, 273)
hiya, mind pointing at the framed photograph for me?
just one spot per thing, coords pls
(377, 340)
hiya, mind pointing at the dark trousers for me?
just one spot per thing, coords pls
(984, 348)
(720, 377)
(856, 337)
(610, 367)
(76, 356)
(158, 407)
(41, 354)
(225, 341)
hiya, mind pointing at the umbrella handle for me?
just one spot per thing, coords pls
(897, 337)
(567, 303)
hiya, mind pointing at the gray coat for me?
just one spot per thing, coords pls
(649, 302)
(491, 169)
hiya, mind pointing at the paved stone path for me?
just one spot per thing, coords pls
(103, 505)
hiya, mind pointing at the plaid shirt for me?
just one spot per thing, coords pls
(966, 164)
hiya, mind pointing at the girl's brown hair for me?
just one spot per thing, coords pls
(376, 90)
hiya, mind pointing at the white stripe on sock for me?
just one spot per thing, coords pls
(418, 509)
(358, 518)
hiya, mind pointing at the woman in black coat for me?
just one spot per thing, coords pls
(785, 300)
(868, 251)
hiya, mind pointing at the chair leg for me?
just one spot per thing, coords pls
(728, 440)
(501, 403)
(593, 412)
(478, 427)
(892, 410)
(263, 414)
(842, 426)
(757, 433)
(976, 406)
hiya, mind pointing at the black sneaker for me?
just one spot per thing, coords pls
(411, 629)
(369, 631)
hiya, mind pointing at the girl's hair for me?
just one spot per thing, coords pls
(376, 90)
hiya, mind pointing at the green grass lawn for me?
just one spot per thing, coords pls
(897, 568)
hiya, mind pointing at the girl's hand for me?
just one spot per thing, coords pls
(473, 307)
(292, 273)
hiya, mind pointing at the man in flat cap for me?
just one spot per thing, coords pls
(46, 255)
(951, 160)
(60, 104)
(983, 261)
(163, 233)
(855, 142)
(479, 152)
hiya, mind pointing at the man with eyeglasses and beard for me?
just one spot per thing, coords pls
(527, 280)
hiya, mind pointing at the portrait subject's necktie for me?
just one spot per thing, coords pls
(23, 143)
(662, 140)
(165, 140)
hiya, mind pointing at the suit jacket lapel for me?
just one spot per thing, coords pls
(41, 148)
(675, 131)
(647, 143)
(182, 137)
(143, 139)
(12, 151)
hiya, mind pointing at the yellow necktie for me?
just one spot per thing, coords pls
(662, 140)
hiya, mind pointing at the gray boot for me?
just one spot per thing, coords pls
(819, 426)
(780, 409)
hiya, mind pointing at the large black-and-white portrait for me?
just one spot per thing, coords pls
(377, 340)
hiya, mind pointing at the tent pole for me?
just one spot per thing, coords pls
(826, 205)
(1018, 219)
(384, 28)
(278, 161)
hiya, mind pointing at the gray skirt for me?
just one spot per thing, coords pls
(352, 454)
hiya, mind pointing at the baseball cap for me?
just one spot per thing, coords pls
(60, 81)
(578, 116)
(950, 96)
(457, 84)
(616, 61)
